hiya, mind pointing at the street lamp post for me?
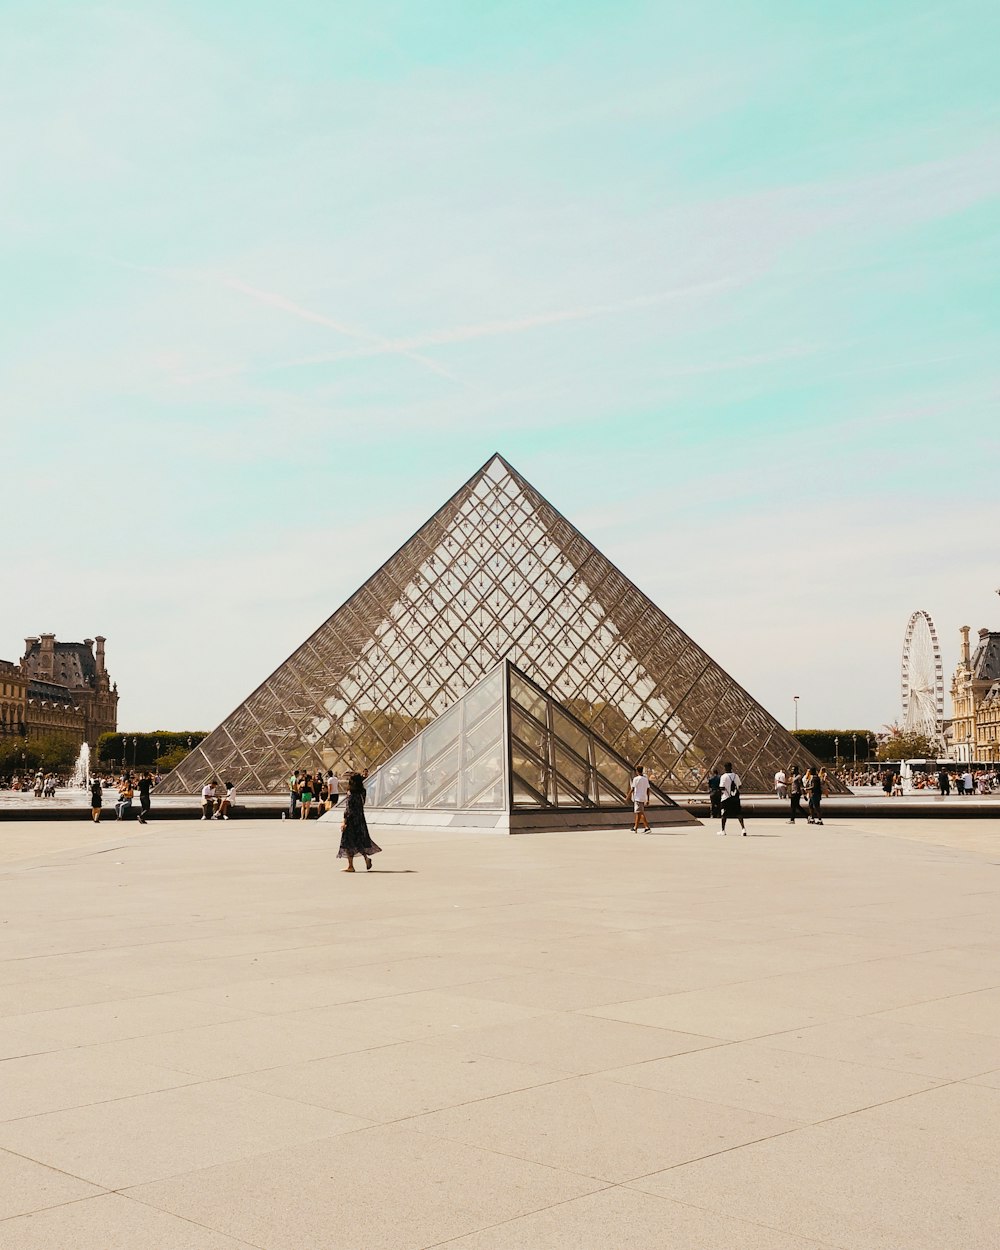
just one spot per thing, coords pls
(796, 699)
(854, 743)
(836, 751)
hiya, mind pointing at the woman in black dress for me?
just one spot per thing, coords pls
(354, 836)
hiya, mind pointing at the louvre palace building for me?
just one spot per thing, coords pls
(60, 689)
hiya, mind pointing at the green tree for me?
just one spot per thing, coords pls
(907, 746)
(147, 750)
(51, 753)
(830, 744)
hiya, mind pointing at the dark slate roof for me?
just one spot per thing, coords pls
(73, 664)
(53, 692)
(986, 658)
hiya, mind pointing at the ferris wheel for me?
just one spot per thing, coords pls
(922, 678)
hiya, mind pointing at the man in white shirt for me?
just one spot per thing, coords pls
(781, 784)
(207, 800)
(729, 784)
(639, 794)
(967, 782)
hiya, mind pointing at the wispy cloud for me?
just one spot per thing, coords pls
(373, 344)
(485, 330)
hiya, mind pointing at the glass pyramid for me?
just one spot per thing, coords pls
(506, 755)
(496, 573)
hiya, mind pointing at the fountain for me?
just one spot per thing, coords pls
(81, 769)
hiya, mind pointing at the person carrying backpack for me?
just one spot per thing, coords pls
(729, 785)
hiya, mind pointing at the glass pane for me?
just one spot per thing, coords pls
(441, 733)
(528, 732)
(611, 771)
(397, 773)
(438, 777)
(405, 797)
(523, 797)
(571, 771)
(484, 784)
(530, 771)
(486, 734)
(448, 797)
(486, 695)
(571, 734)
(609, 795)
(528, 698)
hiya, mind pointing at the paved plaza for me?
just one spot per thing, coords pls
(214, 1039)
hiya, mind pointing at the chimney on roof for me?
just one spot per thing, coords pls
(966, 658)
(983, 635)
(47, 656)
(99, 655)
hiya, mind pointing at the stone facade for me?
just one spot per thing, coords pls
(60, 688)
(13, 698)
(974, 728)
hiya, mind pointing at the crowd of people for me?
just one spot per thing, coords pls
(127, 786)
(43, 785)
(947, 779)
(312, 794)
(794, 785)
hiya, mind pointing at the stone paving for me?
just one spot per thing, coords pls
(214, 1039)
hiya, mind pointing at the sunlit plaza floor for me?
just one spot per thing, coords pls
(212, 1038)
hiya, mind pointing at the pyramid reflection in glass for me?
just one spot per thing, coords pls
(496, 573)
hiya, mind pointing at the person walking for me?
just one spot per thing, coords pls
(294, 786)
(96, 799)
(780, 784)
(814, 789)
(354, 836)
(306, 796)
(145, 785)
(332, 789)
(944, 782)
(639, 794)
(729, 784)
(714, 794)
(795, 795)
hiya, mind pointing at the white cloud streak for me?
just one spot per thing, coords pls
(486, 330)
(375, 344)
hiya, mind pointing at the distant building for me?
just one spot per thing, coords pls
(974, 729)
(58, 688)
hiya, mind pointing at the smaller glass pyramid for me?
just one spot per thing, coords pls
(507, 755)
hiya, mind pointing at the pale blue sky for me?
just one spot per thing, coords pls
(720, 279)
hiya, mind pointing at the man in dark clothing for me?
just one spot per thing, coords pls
(944, 782)
(715, 794)
(795, 794)
(145, 784)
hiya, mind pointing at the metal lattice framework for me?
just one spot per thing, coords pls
(497, 572)
(505, 744)
(922, 677)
